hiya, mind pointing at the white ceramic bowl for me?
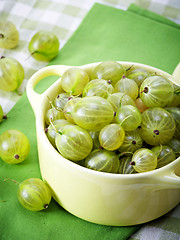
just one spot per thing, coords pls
(98, 197)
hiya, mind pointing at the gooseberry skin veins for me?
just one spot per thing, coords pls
(132, 142)
(95, 137)
(119, 99)
(175, 145)
(68, 109)
(175, 113)
(61, 100)
(164, 154)
(34, 194)
(144, 160)
(53, 129)
(129, 117)
(14, 146)
(9, 35)
(127, 86)
(44, 46)
(157, 126)
(124, 165)
(138, 75)
(156, 91)
(111, 136)
(74, 142)
(103, 161)
(92, 113)
(175, 102)
(109, 70)
(74, 80)
(98, 87)
(53, 114)
(11, 74)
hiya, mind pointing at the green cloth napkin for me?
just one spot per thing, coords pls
(152, 15)
(106, 33)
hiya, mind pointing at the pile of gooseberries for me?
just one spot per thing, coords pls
(115, 120)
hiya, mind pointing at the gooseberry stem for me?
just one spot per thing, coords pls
(71, 92)
(67, 112)
(58, 109)
(129, 68)
(39, 52)
(18, 92)
(1, 35)
(55, 128)
(12, 180)
(50, 101)
(52, 105)
(120, 103)
(76, 96)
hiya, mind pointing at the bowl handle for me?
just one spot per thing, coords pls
(169, 177)
(176, 75)
(34, 97)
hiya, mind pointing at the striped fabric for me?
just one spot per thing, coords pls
(63, 17)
